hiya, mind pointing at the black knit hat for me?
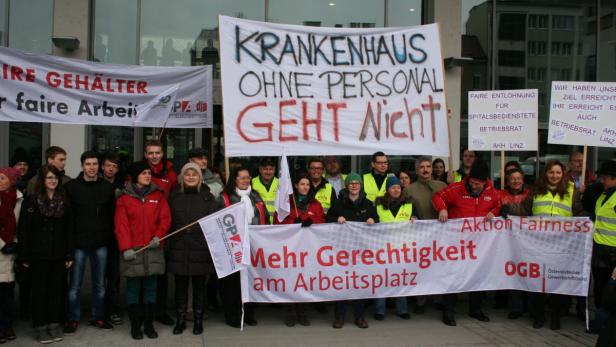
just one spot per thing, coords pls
(197, 152)
(136, 168)
(608, 168)
(479, 170)
(19, 156)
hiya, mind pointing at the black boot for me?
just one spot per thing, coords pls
(181, 303)
(198, 303)
(180, 323)
(135, 317)
(148, 321)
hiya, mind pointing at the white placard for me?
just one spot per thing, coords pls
(337, 91)
(583, 113)
(49, 89)
(503, 120)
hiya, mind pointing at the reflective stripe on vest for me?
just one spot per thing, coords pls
(605, 223)
(552, 205)
(268, 197)
(324, 196)
(404, 213)
(370, 188)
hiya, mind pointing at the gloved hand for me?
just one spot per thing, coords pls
(297, 220)
(154, 243)
(9, 248)
(504, 212)
(306, 223)
(129, 254)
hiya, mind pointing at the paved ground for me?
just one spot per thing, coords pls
(421, 330)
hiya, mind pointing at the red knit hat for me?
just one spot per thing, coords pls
(11, 173)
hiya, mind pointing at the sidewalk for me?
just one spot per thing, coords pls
(421, 330)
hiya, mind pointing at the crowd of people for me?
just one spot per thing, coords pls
(51, 226)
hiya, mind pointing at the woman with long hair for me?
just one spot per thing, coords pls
(406, 178)
(142, 218)
(393, 207)
(438, 170)
(305, 210)
(238, 190)
(188, 256)
(552, 195)
(46, 249)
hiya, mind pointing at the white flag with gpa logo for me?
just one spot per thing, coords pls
(157, 111)
(225, 233)
(285, 188)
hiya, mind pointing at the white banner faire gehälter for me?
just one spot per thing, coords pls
(331, 91)
(49, 89)
(355, 261)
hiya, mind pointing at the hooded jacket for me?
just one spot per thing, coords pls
(92, 204)
(138, 218)
(359, 210)
(310, 209)
(460, 203)
(164, 177)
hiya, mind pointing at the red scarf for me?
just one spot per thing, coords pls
(8, 224)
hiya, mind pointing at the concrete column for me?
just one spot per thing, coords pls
(71, 18)
(448, 14)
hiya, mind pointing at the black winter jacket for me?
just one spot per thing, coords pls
(92, 206)
(607, 338)
(41, 237)
(188, 253)
(353, 211)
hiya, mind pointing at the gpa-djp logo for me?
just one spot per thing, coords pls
(228, 221)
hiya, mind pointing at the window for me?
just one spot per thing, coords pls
(607, 21)
(531, 74)
(512, 27)
(567, 47)
(511, 58)
(555, 75)
(532, 47)
(115, 35)
(339, 13)
(562, 22)
(541, 48)
(541, 72)
(565, 75)
(555, 48)
(31, 25)
(476, 82)
(541, 97)
(537, 21)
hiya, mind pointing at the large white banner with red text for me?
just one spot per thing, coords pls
(50, 89)
(354, 260)
(343, 91)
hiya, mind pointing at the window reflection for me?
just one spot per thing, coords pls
(116, 31)
(329, 13)
(31, 25)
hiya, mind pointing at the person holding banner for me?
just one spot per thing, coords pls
(552, 195)
(468, 158)
(266, 184)
(238, 190)
(305, 209)
(352, 206)
(474, 196)
(393, 207)
(188, 255)
(322, 190)
(45, 237)
(142, 218)
(374, 181)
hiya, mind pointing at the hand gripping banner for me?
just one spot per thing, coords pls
(354, 260)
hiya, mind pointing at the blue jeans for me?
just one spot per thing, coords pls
(98, 263)
(401, 305)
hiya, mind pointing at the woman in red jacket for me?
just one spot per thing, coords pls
(142, 217)
(305, 209)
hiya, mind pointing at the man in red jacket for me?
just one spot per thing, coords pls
(474, 196)
(166, 179)
(162, 169)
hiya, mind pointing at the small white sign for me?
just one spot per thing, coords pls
(582, 113)
(503, 120)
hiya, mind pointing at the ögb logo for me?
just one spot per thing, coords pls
(523, 269)
(228, 221)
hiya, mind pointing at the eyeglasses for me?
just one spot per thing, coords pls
(315, 168)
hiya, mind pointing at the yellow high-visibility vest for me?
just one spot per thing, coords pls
(457, 177)
(553, 205)
(404, 213)
(370, 188)
(268, 196)
(324, 196)
(605, 223)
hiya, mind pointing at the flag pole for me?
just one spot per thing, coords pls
(169, 235)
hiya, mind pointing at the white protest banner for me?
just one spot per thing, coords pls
(224, 232)
(159, 109)
(331, 91)
(582, 113)
(49, 89)
(355, 260)
(503, 120)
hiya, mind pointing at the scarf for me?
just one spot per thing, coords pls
(245, 196)
(53, 207)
